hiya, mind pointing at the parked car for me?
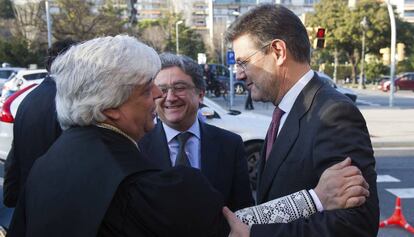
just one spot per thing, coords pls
(7, 115)
(22, 79)
(252, 128)
(348, 92)
(6, 72)
(222, 74)
(404, 81)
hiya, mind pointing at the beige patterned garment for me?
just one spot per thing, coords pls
(281, 210)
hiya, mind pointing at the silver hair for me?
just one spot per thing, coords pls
(99, 74)
(187, 65)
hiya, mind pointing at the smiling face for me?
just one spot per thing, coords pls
(259, 72)
(177, 109)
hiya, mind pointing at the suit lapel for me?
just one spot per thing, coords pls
(286, 138)
(158, 147)
(210, 149)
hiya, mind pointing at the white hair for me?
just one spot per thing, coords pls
(99, 74)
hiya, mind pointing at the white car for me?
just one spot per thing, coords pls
(7, 115)
(22, 79)
(348, 92)
(251, 127)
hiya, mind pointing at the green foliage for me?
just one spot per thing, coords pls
(77, 20)
(344, 31)
(161, 35)
(16, 51)
(374, 69)
(6, 9)
(406, 65)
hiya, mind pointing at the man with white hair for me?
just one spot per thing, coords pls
(94, 181)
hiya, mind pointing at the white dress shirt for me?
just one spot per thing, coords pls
(192, 146)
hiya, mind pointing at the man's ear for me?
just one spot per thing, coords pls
(279, 51)
(112, 114)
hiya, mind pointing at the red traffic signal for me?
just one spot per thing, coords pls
(319, 42)
(320, 33)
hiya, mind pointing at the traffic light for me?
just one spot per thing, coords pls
(319, 42)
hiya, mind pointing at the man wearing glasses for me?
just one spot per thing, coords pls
(313, 126)
(180, 139)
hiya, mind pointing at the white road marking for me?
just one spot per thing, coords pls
(365, 102)
(387, 179)
(402, 192)
(1, 181)
(394, 148)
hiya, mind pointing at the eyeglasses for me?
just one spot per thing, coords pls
(177, 89)
(242, 65)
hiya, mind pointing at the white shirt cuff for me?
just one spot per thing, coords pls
(316, 200)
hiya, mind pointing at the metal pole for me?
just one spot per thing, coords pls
(177, 44)
(361, 75)
(49, 25)
(222, 49)
(231, 67)
(393, 44)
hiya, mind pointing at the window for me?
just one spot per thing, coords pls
(35, 76)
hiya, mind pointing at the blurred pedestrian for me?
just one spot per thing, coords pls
(35, 129)
(249, 102)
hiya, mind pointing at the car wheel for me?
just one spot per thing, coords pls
(239, 89)
(253, 156)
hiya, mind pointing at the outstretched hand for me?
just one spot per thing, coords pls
(238, 228)
(342, 186)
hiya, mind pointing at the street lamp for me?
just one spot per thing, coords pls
(364, 27)
(176, 36)
(49, 27)
(393, 43)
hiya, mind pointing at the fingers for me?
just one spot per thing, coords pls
(341, 164)
(355, 202)
(350, 171)
(356, 180)
(230, 216)
(356, 191)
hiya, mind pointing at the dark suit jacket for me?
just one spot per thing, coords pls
(323, 128)
(223, 161)
(35, 129)
(71, 187)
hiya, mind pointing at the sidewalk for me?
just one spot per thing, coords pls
(390, 127)
(387, 127)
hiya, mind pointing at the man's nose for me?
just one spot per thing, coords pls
(240, 75)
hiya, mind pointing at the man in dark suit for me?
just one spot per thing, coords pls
(218, 153)
(94, 180)
(34, 131)
(313, 125)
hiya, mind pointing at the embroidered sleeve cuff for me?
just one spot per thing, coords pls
(281, 210)
(316, 200)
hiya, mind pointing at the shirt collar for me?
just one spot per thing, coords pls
(289, 99)
(171, 133)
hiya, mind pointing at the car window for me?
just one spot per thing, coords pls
(35, 76)
(222, 71)
(5, 73)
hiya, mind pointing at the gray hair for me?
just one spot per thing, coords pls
(99, 74)
(187, 65)
(272, 21)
